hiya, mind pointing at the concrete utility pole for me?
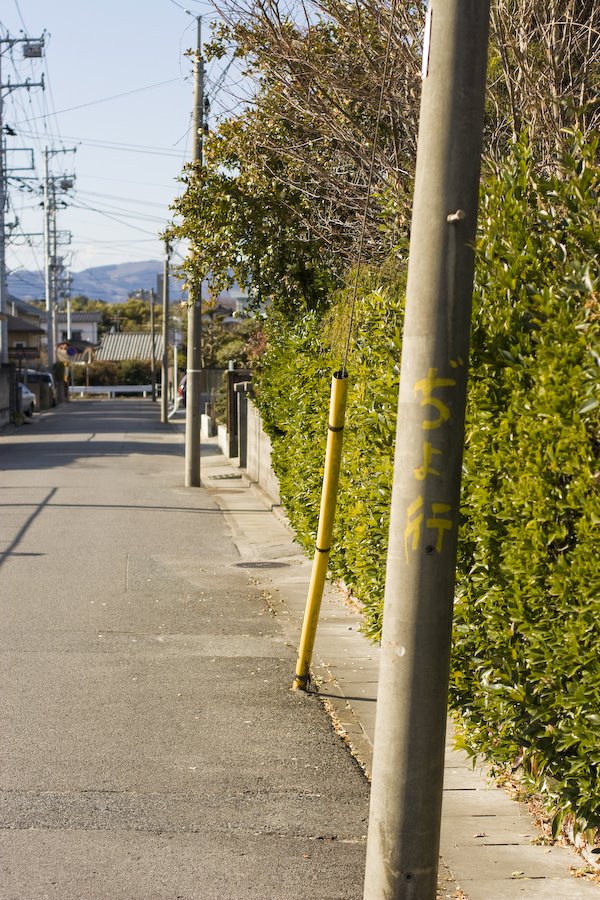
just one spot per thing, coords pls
(32, 49)
(3, 286)
(194, 345)
(47, 269)
(164, 397)
(153, 348)
(53, 264)
(408, 766)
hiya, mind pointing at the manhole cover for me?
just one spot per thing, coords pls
(266, 564)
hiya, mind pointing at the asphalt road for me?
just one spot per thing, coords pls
(150, 745)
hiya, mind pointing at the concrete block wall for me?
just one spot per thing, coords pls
(258, 466)
(222, 440)
(207, 428)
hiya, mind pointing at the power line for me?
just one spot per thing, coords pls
(101, 212)
(148, 87)
(124, 199)
(21, 16)
(83, 239)
(152, 184)
(125, 212)
(110, 145)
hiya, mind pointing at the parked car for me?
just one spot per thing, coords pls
(33, 376)
(26, 400)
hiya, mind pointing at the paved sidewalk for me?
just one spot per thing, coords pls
(150, 747)
(488, 840)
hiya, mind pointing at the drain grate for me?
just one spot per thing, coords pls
(262, 564)
(227, 477)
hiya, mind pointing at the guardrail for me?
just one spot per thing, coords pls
(110, 390)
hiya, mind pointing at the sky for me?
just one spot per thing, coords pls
(131, 149)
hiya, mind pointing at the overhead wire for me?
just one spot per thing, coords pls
(101, 212)
(96, 200)
(108, 208)
(148, 87)
(46, 115)
(84, 239)
(37, 121)
(51, 122)
(152, 184)
(113, 145)
(21, 17)
(123, 199)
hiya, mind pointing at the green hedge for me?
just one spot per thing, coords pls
(128, 371)
(526, 670)
(294, 385)
(526, 675)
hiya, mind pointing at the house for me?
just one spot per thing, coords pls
(24, 340)
(26, 311)
(84, 326)
(121, 345)
(25, 331)
(79, 347)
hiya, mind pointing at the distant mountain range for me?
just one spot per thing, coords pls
(109, 283)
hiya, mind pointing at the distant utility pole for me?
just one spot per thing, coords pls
(64, 293)
(408, 765)
(153, 350)
(53, 264)
(194, 346)
(32, 49)
(164, 397)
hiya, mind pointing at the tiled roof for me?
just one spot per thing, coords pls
(81, 317)
(129, 345)
(26, 309)
(15, 323)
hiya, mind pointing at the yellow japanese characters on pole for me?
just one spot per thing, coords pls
(431, 520)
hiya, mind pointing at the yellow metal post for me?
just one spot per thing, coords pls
(333, 455)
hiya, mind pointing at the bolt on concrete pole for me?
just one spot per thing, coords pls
(194, 346)
(408, 765)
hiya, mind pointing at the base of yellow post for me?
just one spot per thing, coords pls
(301, 682)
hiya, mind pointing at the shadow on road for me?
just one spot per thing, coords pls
(39, 508)
(94, 429)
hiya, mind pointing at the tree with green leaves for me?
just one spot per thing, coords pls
(244, 226)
